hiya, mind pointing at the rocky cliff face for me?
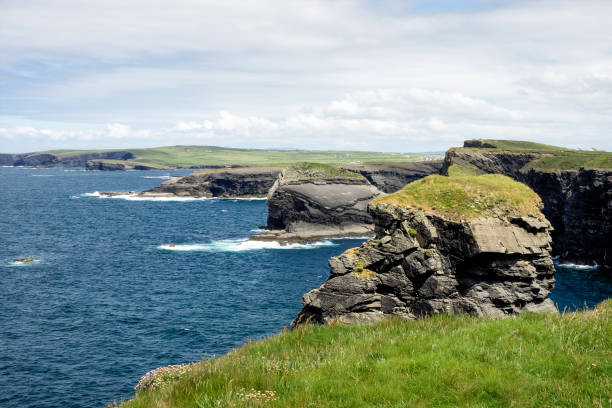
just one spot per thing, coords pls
(114, 166)
(422, 264)
(392, 177)
(307, 204)
(52, 160)
(238, 182)
(578, 203)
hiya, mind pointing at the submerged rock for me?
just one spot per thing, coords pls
(25, 260)
(310, 201)
(424, 263)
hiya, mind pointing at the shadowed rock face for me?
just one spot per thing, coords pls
(578, 203)
(238, 182)
(390, 178)
(421, 264)
(52, 160)
(307, 208)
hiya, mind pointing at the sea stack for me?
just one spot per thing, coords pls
(462, 244)
(310, 201)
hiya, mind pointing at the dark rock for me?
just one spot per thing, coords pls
(236, 182)
(305, 208)
(578, 203)
(390, 178)
(485, 267)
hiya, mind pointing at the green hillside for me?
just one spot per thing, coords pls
(189, 156)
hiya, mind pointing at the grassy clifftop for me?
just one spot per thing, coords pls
(533, 360)
(464, 195)
(550, 157)
(319, 171)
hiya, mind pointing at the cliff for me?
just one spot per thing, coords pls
(237, 182)
(117, 165)
(392, 177)
(310, 201)
(575, 187)
(464, 244)
(50, 159)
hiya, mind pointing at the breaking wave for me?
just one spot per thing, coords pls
(239, 245)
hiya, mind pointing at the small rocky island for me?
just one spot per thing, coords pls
(246, 182)
(310, 201)
(466, 243)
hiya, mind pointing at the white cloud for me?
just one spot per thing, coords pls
(380, 75)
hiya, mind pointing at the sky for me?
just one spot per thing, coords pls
(380, 75)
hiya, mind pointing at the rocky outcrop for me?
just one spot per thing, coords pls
(308, 203)
(578, 203)
(114, 166)
(390, 178)
(237, 182)
(8, 159)
(422, 264)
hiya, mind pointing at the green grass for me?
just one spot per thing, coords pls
(188, 156)
(554, 157)
(532, 360)
(523, 146)
(464, 195)
(313, 171)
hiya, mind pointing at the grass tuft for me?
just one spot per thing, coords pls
(463, 196)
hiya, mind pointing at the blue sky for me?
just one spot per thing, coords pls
(367, 75)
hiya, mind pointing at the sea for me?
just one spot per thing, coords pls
(121, 286)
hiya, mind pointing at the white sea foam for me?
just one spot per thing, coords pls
(20, 263)
(239, 245)
(43, 175)
(136, 197)
(578, 266)
(159, 177)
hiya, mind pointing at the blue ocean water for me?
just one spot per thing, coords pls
(110, 299)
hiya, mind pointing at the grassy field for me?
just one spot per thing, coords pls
(465, 195)
(311, 171)
(188, 156)
(532, 360)
(555, 157)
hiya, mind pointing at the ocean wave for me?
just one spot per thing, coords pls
(43, 175)
(136, 197)
(21, 263)
(240, 245)
(578, 266)
(159, 177)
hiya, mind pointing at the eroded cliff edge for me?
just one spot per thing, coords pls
(575, 187)
(310, 201)
(473, 244)
(226, 183)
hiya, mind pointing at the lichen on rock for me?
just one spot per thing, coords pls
(423, 262)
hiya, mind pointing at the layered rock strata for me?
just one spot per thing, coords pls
(578, 203)
(238, 182)
(306, 204)
(390, 178)
(422, 264)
